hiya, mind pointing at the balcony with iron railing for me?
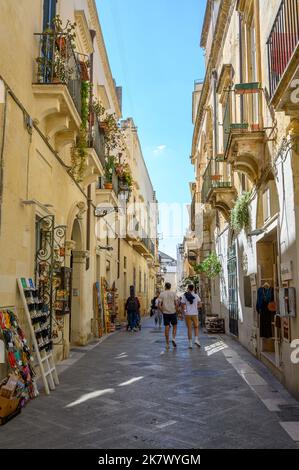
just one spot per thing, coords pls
(96, 140)
(217, 187)
(283, 54)
(57, 88)
(244, 132)
(58, 64)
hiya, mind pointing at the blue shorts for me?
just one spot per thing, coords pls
(170, 318)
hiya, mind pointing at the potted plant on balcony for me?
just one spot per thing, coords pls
(109, 170)
(57, 48)
(216, 177)
(124, 174)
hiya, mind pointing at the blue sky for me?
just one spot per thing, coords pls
(154, 53)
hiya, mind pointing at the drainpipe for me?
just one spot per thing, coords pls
(89, 199)
(215, 130)
(5, 95)
(241, 64)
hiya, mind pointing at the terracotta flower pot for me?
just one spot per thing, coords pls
(216, 177)
(108, 185)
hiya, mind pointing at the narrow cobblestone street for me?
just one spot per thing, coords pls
(128, 393)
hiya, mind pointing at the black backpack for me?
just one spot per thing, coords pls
(132, 305)
(154, 302)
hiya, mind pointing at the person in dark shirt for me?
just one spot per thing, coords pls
(132, 308)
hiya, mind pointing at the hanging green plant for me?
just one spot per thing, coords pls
(240, 215)
(113, 134)
(211, 266)
(79, 152)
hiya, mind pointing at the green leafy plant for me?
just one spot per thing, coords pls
(110, 168)
(79, 152)
(124, 173)
(113, 134)
(240, 215)
(57, 48)
(211, 266)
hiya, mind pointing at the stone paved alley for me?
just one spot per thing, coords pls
(126, 393)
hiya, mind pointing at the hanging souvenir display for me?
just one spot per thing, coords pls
(39, 321)
(19, 387)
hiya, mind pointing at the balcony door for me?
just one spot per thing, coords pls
(49, 12)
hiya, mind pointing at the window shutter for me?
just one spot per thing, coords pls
(49, 13)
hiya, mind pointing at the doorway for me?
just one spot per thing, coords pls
(267, 261)
(77, 264)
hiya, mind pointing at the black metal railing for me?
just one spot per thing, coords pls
(212, 180)
(148, 243)
(96, 140)
(283, 40)
(59, 63)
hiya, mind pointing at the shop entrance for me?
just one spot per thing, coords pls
(78, 263)
(267, 261)
(233, 291)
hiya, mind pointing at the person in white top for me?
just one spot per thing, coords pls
(191, 302)
(168, 305)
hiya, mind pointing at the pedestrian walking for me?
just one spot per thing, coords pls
(132, 308)
(167, 303)
(191, 303)
(155, 311)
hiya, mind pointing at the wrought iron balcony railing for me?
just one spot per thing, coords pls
(58, 63)
(212, 180)
(282, 42)
(96, 140)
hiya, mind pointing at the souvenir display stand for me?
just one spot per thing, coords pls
(107, 323)
(99, 310)
(19, 386)
(39, 324)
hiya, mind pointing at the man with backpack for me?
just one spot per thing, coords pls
(132, 308)
(191, 302)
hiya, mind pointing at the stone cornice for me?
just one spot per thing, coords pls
(206, 24)
(84, 32)
(224, 15)
(103, 53)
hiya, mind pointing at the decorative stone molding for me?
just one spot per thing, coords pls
(103, 53)
(82, 206)
(80, 255)
(70, 246)
(83, 32)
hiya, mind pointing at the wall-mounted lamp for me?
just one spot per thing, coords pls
(101, 212)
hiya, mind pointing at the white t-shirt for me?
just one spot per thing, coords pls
(168, 301)
(191, 309)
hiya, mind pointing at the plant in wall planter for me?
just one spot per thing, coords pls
(240, 214)
(211, 266)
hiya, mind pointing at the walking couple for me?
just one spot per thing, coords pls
(169, 305)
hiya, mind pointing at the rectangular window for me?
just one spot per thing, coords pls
(125, 262)
(134, 278)
(140, 281)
